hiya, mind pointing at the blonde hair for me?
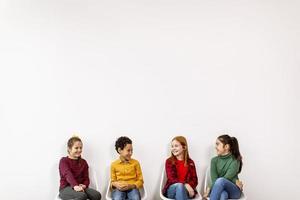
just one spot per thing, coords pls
(72, 140)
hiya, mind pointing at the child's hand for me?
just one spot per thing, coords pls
(83, 186)
(206, 193)
(129, 187)
(120, 185)
(239, 184)
(117, 185)
(78, 188)
(190, 190)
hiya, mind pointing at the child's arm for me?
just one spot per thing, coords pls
(213, 171)
(66, 172)
(171, 173)
(232, 170)
(140, 181)
(193, 181)
(114, 180)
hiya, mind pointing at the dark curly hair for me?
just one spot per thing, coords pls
(122, 142)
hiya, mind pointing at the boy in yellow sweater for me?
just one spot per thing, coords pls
(126, 173)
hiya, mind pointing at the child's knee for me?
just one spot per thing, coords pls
(220, 181)
(136, 197)
(135, 194)
(179, 186)
(81, 196)
(96, 196)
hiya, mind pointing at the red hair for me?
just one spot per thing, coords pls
(183, 142)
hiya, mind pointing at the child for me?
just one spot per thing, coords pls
(224, 170)
(74, 174)
(126, 173)
(181, 172)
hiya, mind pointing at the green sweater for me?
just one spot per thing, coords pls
(224, 166)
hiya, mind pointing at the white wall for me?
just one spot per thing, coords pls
(150, 70)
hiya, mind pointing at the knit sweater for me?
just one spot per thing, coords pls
(73, 172)
(224, 166)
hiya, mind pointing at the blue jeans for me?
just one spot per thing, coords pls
(133, 194)
(177, 191)
(224, 189)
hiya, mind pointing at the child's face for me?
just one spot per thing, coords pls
(76, 150)
(126, 153)
(176, 148)
(221, 148)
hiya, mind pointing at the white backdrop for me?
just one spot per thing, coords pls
(150, 70)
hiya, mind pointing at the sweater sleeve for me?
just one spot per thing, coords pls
(86, 180)
(113, 176)
(213, 172)
(67, 173)
(171, 172)
(193, 178)
(139, 176)
(232, 170)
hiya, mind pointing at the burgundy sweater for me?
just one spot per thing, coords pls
(172, 175)
(73, 172)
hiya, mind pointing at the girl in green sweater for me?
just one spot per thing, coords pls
(224, 170)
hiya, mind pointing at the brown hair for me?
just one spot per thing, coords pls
(183, 142)
(72, 141)
(233, 148)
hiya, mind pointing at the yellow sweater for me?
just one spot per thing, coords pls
(129, 172)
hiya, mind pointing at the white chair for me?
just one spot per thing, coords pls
(142, 191)
(93, 182)
(163, 181)
(208, 182)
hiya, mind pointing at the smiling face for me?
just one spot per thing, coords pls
(177, 149)
(221, 148)
(126, 152)
(76, 150)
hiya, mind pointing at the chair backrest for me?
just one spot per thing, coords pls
(207, 178)
(143, 193)
(163, 181)
(93, 179)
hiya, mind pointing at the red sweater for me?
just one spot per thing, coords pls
(173, 177)
(181, 170)
(73, 172)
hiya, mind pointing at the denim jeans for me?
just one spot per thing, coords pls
(224, 189)
(133, 194)
(177, 191)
